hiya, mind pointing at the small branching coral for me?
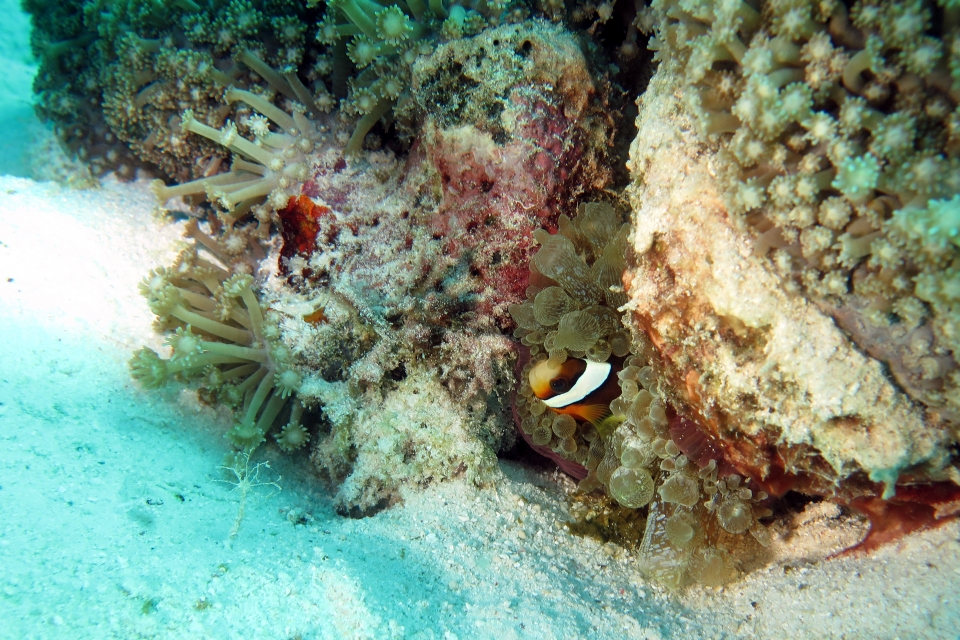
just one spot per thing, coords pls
(245, 480)
(221, 339)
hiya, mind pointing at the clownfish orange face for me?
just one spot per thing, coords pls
(576, 387)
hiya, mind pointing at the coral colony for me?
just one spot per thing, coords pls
(419, 230)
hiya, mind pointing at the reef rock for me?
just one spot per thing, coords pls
(766, 374)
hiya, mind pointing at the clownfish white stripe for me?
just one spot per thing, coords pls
(589, 381)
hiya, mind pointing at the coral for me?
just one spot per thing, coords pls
(143, 93)
(764, 249)
(265, 173)
(387, 438)
(220, 338)
(831, 123)
(67, 85)
(386, 41)
(146, 90)
(375, 280)
(115, 76)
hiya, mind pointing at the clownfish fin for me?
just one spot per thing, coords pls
(595, 414)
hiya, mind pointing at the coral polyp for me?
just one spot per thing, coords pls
(265, 171)
(775, 342)
(223, 341)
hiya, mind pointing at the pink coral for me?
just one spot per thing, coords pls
(494, 195)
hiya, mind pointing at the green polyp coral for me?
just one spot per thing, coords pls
(385, 40)
(836, 132)
(265, 170)
(220, 339)
(856, 178)
(935, 227)
(115, 76)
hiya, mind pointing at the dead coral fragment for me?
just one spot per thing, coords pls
(414, 433)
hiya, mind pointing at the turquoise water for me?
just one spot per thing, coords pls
(18, 125)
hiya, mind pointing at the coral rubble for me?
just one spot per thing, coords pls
(431, 253)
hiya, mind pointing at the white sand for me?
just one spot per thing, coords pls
(113, 522)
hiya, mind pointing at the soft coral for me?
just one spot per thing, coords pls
(221, 337)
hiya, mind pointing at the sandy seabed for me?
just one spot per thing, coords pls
(114, 516)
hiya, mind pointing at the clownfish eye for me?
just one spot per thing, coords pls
(558, 385)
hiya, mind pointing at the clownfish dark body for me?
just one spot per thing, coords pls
(577, 387)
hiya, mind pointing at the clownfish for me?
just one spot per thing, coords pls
(577, 387)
